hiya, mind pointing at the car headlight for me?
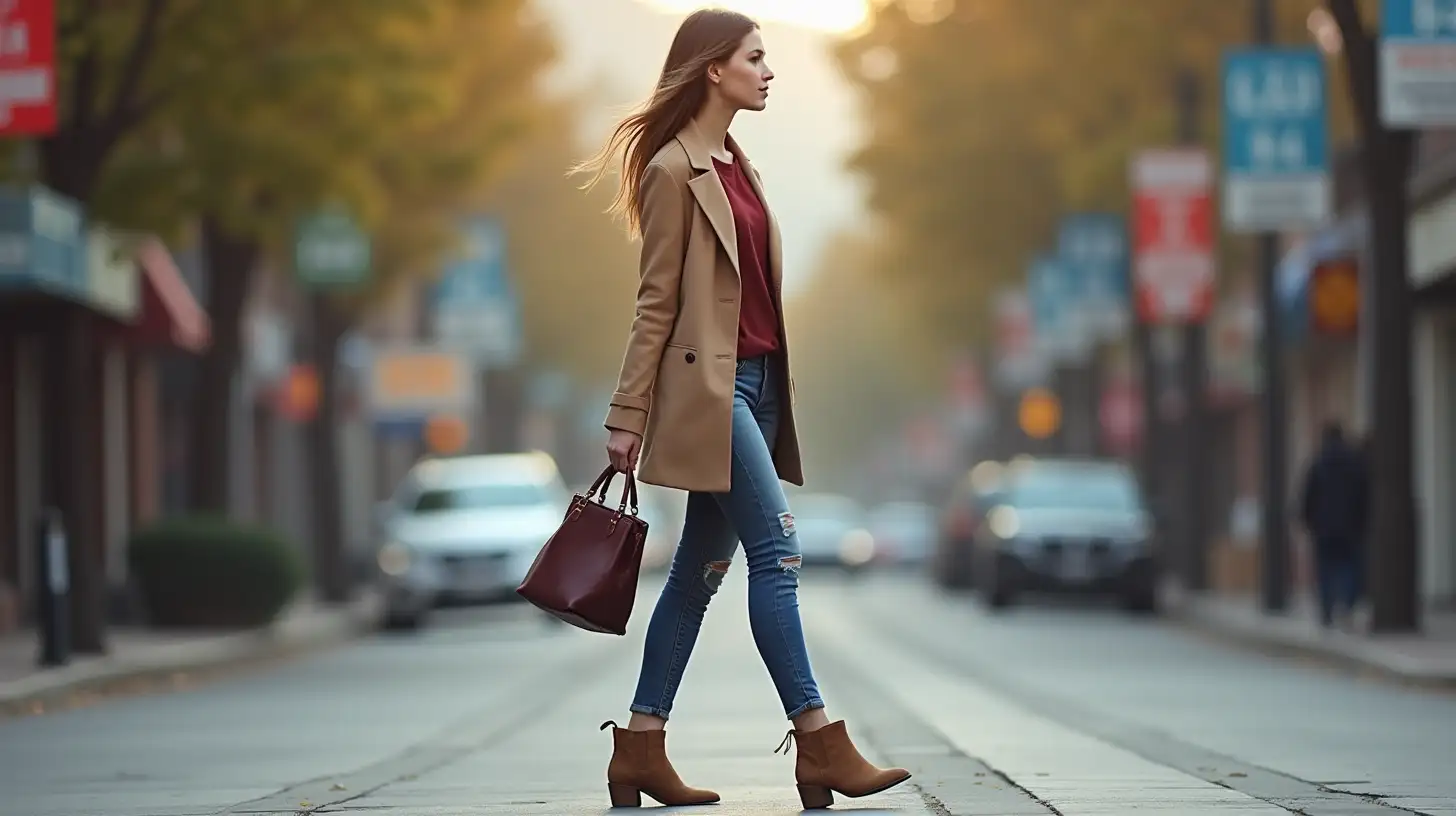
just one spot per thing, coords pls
(1003, 522)
(857, 547)
(394, 559)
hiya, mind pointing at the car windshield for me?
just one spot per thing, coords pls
(1075, 489)
(481, 497)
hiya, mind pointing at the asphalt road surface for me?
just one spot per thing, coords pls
(1063, 709)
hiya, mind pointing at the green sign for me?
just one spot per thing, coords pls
(330, 250)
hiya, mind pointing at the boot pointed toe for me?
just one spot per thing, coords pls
(640, 766)
(828, 762)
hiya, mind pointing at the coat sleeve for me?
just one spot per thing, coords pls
(663, 240)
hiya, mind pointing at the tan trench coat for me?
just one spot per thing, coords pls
(677, 379)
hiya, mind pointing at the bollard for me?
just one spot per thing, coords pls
(53, 589)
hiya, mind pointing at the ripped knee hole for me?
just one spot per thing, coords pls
(713, 571)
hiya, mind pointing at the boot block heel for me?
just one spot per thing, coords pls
(624, 796)
(815, 796)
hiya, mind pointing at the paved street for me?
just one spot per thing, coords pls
(1067, 709)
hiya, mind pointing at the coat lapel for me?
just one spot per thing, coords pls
(708, 189)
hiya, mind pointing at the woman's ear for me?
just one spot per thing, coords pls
(715, 74)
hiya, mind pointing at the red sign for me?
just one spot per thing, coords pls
(27, 67)
(1013, 324)
(1173, 260)
(297, 397)
(966, 388)
(1121, 416)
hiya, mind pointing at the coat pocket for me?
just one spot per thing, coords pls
(680, 352)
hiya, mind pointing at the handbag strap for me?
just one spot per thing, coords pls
(599, 489)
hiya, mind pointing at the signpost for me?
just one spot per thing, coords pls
(1276, 163)
(1051, 295)
(27, 67)
(409, 386)
(1019, 363)
(43, 243)
(1173, 261)
(476, 309)
(1418, 63)
(1094, 247)
(331, 251)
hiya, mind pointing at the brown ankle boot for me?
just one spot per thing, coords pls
(829, 763)
(639, 765)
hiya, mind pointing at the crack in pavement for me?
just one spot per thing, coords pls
(470, 734)
(1267, 785)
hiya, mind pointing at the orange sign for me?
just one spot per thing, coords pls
(1040, 414)
(298, 395)
(446, 434)
(1334, 297)
(419, 383)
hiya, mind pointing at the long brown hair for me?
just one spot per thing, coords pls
(705, 37)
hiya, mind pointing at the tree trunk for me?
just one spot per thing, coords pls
(70, 163)
(1386, 163)
(231, 264)
(331, 569)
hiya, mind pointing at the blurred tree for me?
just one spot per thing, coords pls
(990, 119)
(399, 112)
(574, 269)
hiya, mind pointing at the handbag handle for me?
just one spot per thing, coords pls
(604, 481)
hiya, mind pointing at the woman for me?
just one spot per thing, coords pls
(706, 399)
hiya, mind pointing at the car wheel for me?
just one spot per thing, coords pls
(997, 597)
(399, 620)
(1141, 602)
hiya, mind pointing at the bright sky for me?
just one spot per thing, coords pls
(836, 16)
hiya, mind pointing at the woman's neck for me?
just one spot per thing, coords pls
(713, 122)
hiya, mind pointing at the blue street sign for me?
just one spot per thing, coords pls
(1419, 20)
(1052, 296)
(1094, 248)
(1275, 139)
(476, 309)
(1418, 63)
(42, 243)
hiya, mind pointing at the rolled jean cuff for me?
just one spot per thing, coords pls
(809, 706)
(652, 710)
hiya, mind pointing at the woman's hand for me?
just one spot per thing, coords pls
(623, 447)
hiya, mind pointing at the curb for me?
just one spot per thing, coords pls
(205, 656)
(1351, 652)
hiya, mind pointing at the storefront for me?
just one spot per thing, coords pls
(83, 314)
(52, 426)
(1432, 275)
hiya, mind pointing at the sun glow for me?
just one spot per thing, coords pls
(833, 16)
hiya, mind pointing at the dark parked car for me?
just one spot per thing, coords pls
(1068, 526)
(960, 516)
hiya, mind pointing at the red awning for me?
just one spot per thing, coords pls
(170, 315)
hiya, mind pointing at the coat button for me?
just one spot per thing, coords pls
(691, 357)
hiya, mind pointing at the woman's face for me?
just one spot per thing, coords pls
(742, 79)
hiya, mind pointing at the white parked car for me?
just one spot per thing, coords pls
(832, 531)
(466, 529)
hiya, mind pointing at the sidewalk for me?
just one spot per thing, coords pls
(1426, 658)
(143, 656)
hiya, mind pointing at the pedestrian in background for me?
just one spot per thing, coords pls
(1335, 511)
(705, 398)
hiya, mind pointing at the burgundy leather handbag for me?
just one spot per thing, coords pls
(587, 572)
